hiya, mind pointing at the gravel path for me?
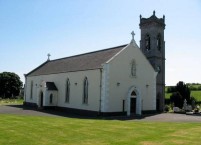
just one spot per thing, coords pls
(163, 117)
(20, 110)
(173, 117)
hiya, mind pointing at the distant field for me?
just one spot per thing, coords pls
(196, 86)
(196, 94)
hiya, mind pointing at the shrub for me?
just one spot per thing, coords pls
(167, 108)
(199, 88)
(176, 98)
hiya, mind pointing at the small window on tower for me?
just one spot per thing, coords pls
(147, 42)
(159, 42)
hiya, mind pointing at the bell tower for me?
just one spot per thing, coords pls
(152, 44)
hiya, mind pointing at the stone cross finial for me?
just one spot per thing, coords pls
(133, 34)
(154, 12)
(48, 55)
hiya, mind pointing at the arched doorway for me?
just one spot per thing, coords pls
(41, 99)
(133, 101)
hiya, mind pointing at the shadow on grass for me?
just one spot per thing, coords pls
(56, 112)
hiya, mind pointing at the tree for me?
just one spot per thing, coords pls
(182, 92)
(183, 89)
(10, 84)
(176, 98)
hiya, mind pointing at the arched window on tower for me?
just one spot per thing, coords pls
(133, 68)
(67, 98)
(147, 42)
(85, 91)
(159, 42)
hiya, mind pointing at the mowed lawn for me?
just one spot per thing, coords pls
(40, 130)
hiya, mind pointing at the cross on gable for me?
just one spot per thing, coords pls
(133, 34)
(48, 55)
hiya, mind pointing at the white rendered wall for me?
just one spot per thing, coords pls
(120, 72)
(76, 89)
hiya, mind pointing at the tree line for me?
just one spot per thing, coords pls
(192, 87)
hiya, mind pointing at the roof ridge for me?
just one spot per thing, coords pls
(85, 61)
(88, 52)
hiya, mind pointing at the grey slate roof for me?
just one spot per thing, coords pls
(87, 61)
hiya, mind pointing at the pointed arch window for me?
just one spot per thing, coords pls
(51, 98)
(147, 42)
(31, 90)
(85, 91)
(133, 68)
(159, 42)
(67, 98)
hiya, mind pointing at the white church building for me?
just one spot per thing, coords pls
(114, 81)
(117, 80)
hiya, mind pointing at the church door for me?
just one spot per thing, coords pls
(41, 99)
(133, 105)
(133, 101)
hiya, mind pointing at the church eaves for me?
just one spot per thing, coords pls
(87, 61)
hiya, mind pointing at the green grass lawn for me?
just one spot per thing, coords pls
(34, 130)
(11, 101)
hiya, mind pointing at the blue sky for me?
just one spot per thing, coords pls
(30, 29)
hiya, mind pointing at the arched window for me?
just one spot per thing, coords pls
(31, 90)
(67, 91)
(159, 42)
(85, 91)
(51, 98)
(147, 42)
(133, 68)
